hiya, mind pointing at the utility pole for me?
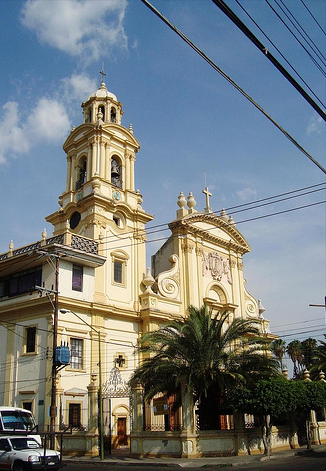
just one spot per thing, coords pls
(54, 304)
(55, 341)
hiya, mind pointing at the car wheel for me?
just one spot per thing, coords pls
(19, 466)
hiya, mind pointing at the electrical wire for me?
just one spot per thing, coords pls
(236, 20)
(305, 49)
(282, 55)
(303, 3)
(159, 227)
(234, 84)
(314, 45)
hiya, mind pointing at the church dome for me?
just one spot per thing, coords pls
(103, 92)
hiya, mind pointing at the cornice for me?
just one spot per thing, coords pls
(185, 225)
(108, 131)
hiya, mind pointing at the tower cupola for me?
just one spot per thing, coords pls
(102, 106)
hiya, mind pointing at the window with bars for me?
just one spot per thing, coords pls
(75, 415)
(76, 354)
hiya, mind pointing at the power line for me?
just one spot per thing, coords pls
(150, 229)
(238, 222)
(282, 55)
(305, 49)
(234, 84)
(303, 30)
(303, 3)
(236, 20)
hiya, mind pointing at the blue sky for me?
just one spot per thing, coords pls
(189, 120)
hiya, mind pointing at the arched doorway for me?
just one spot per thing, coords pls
(117, 414)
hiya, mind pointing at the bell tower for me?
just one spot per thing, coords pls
(100, 201)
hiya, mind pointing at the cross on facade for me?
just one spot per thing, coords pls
(208, 209)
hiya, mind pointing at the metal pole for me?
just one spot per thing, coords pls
(54, 369)
(100, 398)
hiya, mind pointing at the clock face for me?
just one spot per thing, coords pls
(116, 195)
(74, 220)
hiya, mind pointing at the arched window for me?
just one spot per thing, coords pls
(81, 174)
(116, 172)
(113, 115)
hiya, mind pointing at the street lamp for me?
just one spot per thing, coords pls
(66, 311)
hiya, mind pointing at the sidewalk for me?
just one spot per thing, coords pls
(122, 458)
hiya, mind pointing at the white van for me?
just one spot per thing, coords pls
(17, 420)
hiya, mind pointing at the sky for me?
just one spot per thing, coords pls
(194, 127)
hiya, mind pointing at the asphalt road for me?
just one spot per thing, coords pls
(312, 461)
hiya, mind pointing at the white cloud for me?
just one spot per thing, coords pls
(78, 87)
(247, 194)
(81, 28)
(47, 122)
(316, 125)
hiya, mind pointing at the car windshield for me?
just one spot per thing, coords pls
(17, 420)
(23, 443)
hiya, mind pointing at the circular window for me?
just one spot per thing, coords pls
(74, 220)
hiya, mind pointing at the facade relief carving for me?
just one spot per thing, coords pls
(216, 266)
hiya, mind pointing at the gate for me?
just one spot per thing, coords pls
(115, 387)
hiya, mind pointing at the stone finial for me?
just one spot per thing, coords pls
(306, 376)
(93, 378)
(231, 221)
(131, 129)
(321, 377)
(261, 309)
(191, 203)
(181, 200)
(11, 246)
(182, 205)
(148, 281)
(44, 234)
(285, 372)
(224, 216)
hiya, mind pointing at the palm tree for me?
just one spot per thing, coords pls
(209, 353)
(309, 347)
(278, 348)
(320, 357)
(294, 350)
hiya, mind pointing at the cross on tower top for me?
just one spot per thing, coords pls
(102, 73)
(208, 209)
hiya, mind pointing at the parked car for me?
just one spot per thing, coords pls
(24, 453)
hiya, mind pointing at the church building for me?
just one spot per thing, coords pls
(86, 289)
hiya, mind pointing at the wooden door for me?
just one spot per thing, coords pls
(122, 431)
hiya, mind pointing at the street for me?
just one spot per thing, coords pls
(314, 461)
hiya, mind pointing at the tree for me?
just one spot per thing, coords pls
(209, 353)
(294, 350)
(320, 357)
(274, 398)
(278, 348)
(309, 347)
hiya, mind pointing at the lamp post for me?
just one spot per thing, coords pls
(66, 311)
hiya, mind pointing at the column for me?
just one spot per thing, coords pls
(92, 434)
(102, 158)
(136, 439)
(68, 181)
(93, 159)
(188, 435)
(132, 172)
